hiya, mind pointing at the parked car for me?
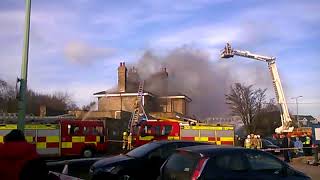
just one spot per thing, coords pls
(213, 163)
(277, 142)
(142, 162)
(268, 146)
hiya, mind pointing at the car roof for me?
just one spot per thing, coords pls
(210, 150)
(179, 141)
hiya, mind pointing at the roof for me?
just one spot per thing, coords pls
(177, 96)
(109, 94)
(178, 141)
(209, 150)
(307, 117)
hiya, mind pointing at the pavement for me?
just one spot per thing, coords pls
(301, 164)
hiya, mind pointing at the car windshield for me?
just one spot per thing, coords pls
(267, 142)
(141, 151)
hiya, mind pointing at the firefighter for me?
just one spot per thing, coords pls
(259, 142)
(124, 140)
(307, 146)
(129, 142)
(247, 142)
(254, 142)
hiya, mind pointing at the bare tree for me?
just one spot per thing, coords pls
(247, 103)
(7, 95)
(89, 106)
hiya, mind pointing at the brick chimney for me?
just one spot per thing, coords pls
(122, 77)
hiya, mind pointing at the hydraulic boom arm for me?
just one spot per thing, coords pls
(228, 52)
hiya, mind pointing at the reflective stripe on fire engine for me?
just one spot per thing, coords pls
(52, 139)
(78, 139)
(30, 126)
(29, 139)
(66, 145)
(1, 139)
(226, 138)
(201, 138)
(146, 138)
(173, 137)
(41, 145)
(206, 128)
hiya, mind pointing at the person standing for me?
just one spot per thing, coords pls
(254, 142)
(307, 146)
(19, 159)
(286, 144)
(298, 147)
(259, 146)
(247, 142)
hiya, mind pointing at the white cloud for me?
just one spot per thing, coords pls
(80, 52)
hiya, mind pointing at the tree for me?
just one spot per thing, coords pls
(7, 96)
(89, 106)
(57, 103)
(246, 102)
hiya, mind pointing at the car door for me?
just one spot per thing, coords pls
(265, 166)
(227, 166)
(156, 158)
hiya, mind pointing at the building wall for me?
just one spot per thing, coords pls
(128, 103)
(172, 105)
(179, 106)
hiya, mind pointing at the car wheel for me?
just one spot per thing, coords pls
(87, 153)
(125, 177)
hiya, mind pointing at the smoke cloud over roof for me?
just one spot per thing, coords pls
(205, 80)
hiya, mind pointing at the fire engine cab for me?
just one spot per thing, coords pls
(167, 129)
(63, 137)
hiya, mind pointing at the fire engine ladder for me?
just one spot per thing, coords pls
(137, 113)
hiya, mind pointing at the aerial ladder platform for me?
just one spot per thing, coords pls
(286, 122)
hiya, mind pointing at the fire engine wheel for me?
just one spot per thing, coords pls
(87, 153)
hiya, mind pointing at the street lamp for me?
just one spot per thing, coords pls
(24, 70)
(297, 116)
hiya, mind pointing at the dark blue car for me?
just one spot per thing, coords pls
(228, 163)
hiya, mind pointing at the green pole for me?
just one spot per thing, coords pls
(24, 70)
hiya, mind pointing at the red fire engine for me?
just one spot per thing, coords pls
(168, 129)
(63, 137)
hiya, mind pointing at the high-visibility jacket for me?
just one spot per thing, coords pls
(247, 143)
(308, 140)
(259, 144)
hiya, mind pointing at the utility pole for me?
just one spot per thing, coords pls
(297, 116)
(24, 69)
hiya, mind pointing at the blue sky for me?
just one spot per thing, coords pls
(76, 45)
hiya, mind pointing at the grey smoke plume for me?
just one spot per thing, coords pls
(205, 80)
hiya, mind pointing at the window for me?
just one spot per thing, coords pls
(156, 130)
(99, 130)
(73, 130)
(263, 162)
(143, 150)
(180, 166)
(147, 130)
(228, 162)
(164, 151)
(166, 130)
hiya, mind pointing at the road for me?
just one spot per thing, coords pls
(301, 165)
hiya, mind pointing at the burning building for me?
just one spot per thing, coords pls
(156, 99)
